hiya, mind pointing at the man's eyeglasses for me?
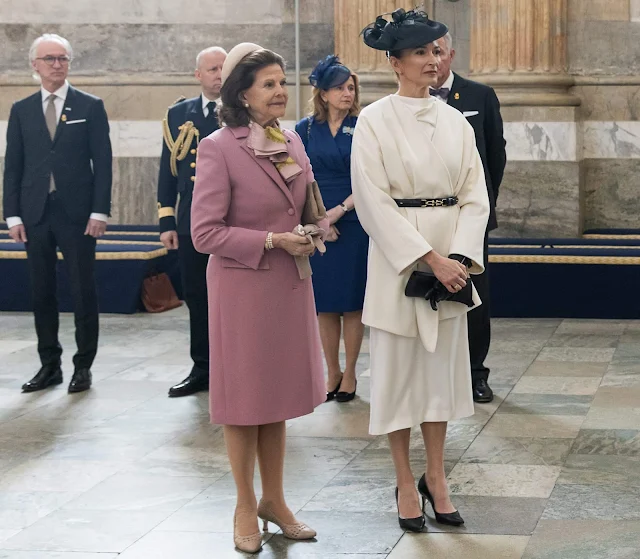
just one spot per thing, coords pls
(51, 60)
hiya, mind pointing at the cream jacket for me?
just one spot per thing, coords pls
(397, 153)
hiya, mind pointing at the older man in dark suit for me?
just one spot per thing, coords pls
(57, 195)
(479, 103)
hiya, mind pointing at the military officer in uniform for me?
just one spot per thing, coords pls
(185, 124)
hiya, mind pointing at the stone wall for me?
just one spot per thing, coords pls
(569, 167)
(139, 55)
(575, 168)
(604, 48)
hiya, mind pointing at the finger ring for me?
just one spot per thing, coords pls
(457, 287)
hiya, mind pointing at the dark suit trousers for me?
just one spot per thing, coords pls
(193, 269)
(79, 253)
(479, 322)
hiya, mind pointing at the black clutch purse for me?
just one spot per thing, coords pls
(427, 286)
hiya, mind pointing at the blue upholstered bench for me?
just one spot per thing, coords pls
(133, 228)
(144, 233)
(565, 278)
(612, 234)
(121, 267)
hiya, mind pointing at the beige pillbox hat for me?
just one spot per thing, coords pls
(236, 54)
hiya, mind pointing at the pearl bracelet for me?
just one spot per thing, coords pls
(269, 242)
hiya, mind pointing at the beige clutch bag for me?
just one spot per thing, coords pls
(314, 209)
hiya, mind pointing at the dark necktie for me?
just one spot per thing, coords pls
(443, 92)
(211, 115)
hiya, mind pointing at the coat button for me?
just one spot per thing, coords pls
(193, 152)
(291, 211)
(193, 179)
(193, 165)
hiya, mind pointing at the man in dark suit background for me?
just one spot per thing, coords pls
(57, 194)
(187, 122)
(479, 103)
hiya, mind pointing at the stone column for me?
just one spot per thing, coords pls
(350, 18)
(520, 48)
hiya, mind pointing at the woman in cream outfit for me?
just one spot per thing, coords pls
(411, 146)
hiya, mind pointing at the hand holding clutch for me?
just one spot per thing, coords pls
(426, 286)
(440, 293)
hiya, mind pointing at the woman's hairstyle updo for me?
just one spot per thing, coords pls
(232, 112)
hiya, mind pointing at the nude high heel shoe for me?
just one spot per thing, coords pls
(248, 544)
(297, 531)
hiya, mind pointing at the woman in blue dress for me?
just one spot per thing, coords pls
(339, 276)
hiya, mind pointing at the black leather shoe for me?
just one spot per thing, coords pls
(48, 375)
(450, 518)
(197, 381)
(482, 392)
(410, 524)
(80, 381)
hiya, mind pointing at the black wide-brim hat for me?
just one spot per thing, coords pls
(406, 30)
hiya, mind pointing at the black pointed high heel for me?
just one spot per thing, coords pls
(331, 395)
(450, 518)
(410, 524)
(346, 396)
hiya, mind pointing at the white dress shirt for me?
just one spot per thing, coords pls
(58, 102)
(205, 102)
(448, 84)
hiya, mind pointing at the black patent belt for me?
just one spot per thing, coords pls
(426, 202)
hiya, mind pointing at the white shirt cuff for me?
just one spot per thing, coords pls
(13, 221)
(99, 217)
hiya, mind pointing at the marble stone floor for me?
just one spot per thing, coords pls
(549, 470)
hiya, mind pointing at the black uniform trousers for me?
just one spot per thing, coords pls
(79, 253)
(479, 322)
(193, 269)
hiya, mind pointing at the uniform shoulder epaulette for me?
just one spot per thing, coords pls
(181, 145)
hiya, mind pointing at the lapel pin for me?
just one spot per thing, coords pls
(456, 96)
(63, 118)
(67, 108)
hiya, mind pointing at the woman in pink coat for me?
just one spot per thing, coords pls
(266, 362)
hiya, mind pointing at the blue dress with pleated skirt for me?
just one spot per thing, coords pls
(339, 275)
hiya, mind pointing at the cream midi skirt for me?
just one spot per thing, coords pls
(410, 386)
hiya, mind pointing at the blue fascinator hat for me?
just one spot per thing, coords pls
(329, 73)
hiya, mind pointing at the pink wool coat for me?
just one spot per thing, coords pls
(266, 361)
